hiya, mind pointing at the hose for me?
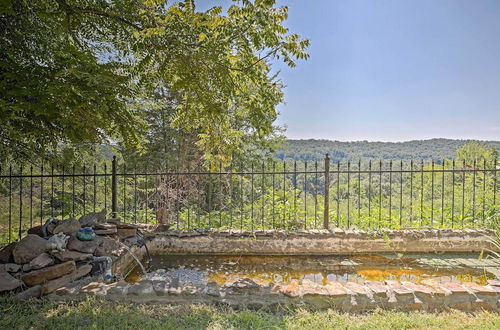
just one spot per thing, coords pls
(45, 226)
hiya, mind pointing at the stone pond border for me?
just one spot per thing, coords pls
(429, 295)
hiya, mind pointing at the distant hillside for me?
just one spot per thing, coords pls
(418, 149)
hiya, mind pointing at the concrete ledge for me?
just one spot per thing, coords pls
(316, 242)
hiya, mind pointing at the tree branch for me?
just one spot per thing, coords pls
(108, 15)
(95, 12)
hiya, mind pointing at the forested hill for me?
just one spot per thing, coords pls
(418, 149)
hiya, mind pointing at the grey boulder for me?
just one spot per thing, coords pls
(43, 260)
(92, 219)
(12, 268)
(69, 226)
(6, 253)
(29, 248)
(8, 282)
(74, 244)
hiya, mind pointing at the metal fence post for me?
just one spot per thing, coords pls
(326, 210)
(114, 187)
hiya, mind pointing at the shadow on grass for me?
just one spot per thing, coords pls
(94, 313)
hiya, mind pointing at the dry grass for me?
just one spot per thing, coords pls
(93, 313)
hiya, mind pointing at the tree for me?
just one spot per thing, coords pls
(78, 70)
(478, 153)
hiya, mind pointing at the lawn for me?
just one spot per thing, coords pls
(93, 313)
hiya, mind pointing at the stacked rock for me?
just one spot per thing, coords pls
(59, 252)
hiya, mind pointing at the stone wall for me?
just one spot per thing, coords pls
(320, 241)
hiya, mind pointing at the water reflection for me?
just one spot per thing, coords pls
(319, 269)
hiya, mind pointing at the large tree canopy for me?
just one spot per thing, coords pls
(83, 70)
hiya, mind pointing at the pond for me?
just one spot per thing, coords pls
(201, 269)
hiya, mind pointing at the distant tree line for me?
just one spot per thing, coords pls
(436, 149)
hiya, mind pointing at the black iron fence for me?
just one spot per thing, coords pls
(280, 195)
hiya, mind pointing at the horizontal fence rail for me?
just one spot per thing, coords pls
(266, 195)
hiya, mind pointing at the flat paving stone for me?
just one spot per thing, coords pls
(455, 288)
(476, 288)
(312, 288)
(417, 288)
(355, 288)
(336, 289)
(397, 288)
(378, 288)
(435, 286)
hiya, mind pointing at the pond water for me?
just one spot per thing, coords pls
(200, 269)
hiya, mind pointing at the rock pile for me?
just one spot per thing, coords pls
(51, 256)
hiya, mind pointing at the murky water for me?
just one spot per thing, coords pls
(320, 269)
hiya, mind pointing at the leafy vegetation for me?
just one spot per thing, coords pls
(284, 195)
(436, 149)
(423, 198)
(75, 71)
(364, 195)
(93, 313)
(477, 153)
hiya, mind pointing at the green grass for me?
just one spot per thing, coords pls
(98, 314)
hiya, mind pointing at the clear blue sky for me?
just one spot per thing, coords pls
(394, 70)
